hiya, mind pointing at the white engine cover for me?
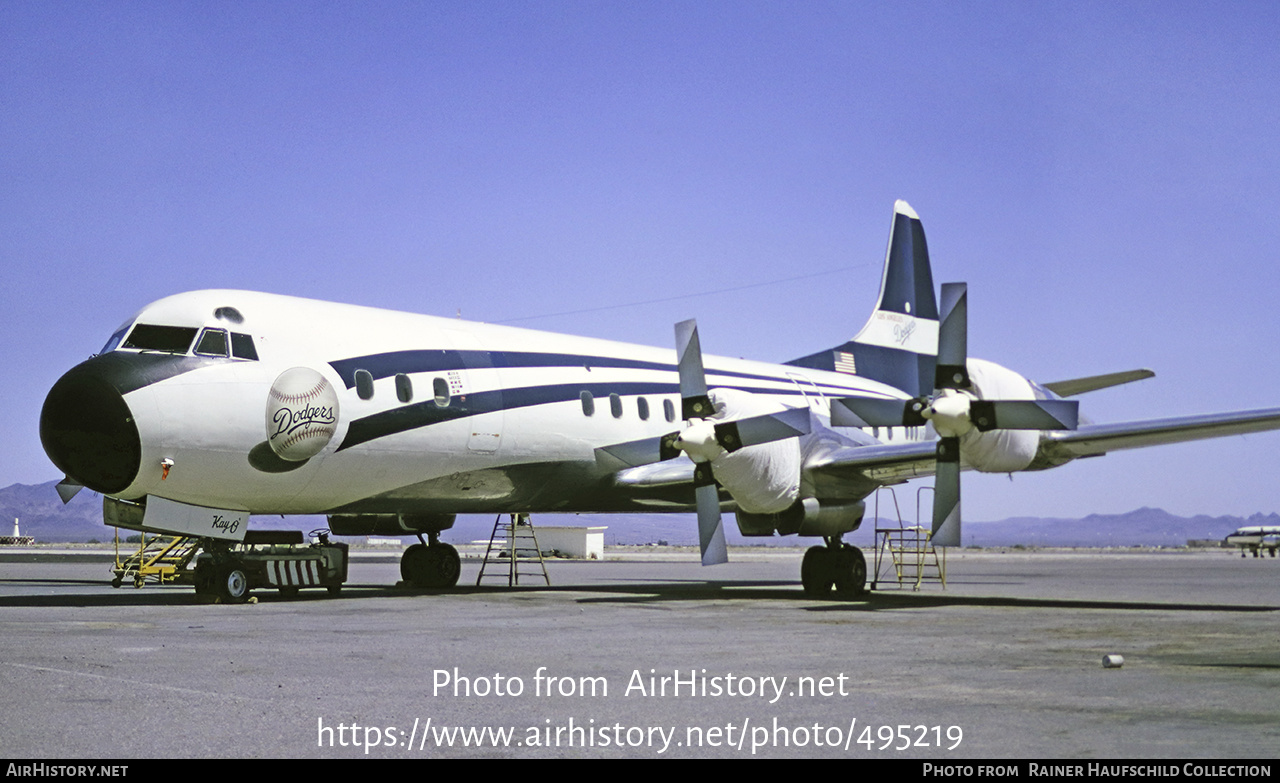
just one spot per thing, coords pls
(999, 451)
(765, 478)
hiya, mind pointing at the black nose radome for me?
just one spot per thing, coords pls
(88, 431)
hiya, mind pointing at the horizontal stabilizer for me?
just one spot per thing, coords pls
(1074, 386)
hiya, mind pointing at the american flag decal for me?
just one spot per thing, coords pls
(844, 362)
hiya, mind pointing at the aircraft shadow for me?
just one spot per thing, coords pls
(641, 591)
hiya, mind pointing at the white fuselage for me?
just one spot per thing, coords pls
(513, 433)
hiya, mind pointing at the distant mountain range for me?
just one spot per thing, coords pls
(43, 516)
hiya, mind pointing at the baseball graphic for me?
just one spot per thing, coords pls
(302, 414)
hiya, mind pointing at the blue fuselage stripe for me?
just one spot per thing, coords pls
(426, 413)
(385, 365)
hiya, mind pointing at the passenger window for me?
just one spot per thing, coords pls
(441, 389)
(364, 384)
(642, 405)
(242, 347)
(669, 410)
(404, 388)
(212, 343)
(588, 403)
(615, 406)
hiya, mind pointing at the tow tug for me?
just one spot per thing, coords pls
(279, 559)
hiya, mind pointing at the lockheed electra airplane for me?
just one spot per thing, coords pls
(209, 406)
(1256, 539)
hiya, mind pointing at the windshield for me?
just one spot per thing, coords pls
(170, 339)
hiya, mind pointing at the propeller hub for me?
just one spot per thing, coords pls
(698, 440)
(949, 412)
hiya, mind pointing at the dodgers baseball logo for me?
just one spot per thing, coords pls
(302, 414)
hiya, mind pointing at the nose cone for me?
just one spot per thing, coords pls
(88, 431)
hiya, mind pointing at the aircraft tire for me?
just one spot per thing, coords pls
(413, 564)
(448, 565)
(850, 571)
(432, 566)
(817, 571)
(233, 584)
(443, 566)
(203, 580)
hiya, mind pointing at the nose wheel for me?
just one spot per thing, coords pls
(837, 566)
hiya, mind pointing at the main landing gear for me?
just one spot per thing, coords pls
(837, 565)
(430, 565)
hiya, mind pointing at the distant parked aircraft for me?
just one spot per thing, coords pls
(1256, 538)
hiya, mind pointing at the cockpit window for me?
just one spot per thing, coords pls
(170, 339)
(114, 342)
(212, 343)
(242, 347)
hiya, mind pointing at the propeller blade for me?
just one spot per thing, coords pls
(946, 494)
(733, 435)
(1025, 414)
(635, 453)
(710, 525)
(953, 338)
(694, 403)
(862, 412)
(68, 489)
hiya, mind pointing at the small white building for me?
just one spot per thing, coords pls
(586, 543)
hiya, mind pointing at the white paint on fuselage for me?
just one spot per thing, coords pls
(207, 420)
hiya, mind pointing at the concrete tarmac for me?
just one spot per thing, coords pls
(653, 656)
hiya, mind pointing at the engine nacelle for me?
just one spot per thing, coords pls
(389, 524)
(764, 478)
(999, 451)
(805, 517)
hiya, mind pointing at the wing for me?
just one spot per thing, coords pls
(1091, 440)
(892, 463)
(886, 463)
(898, 462)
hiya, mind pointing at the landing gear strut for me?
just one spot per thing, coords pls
(431, 565)
(837, 565)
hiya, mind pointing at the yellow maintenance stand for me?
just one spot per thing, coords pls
(161, 559)
(908, 549)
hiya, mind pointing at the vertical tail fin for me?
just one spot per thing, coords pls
(899, 343)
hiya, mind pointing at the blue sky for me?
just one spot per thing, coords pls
(1106, 177)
